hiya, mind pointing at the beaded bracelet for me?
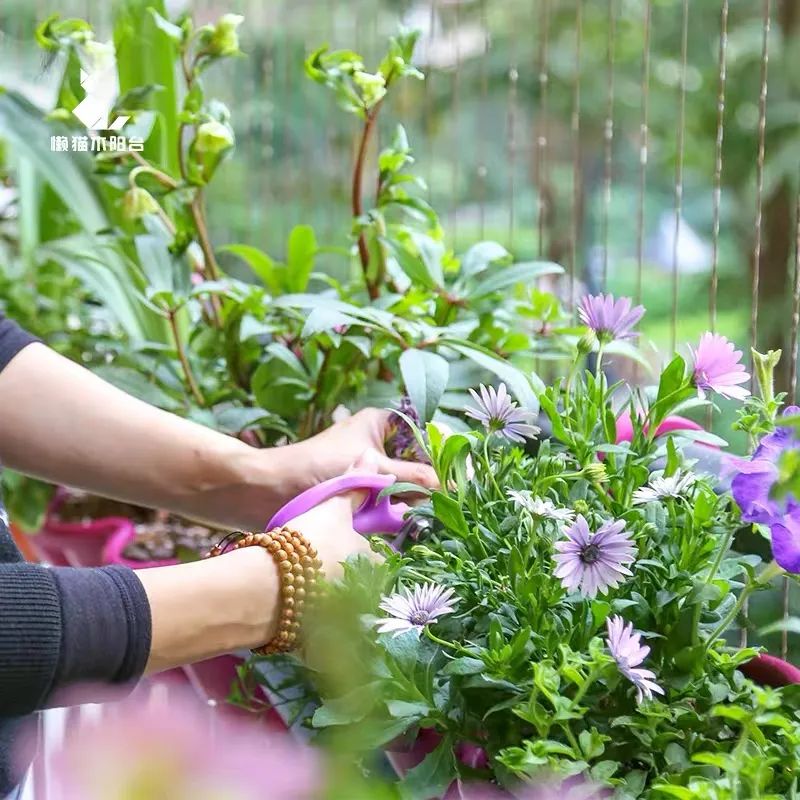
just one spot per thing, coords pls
(299, 568)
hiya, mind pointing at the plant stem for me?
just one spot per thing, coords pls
(590, 679)
(730, 616)
(373, 289)
(187, 370)
(434, 638)
(198, 215)
(726, 543)
(146, 166)
(489, 466)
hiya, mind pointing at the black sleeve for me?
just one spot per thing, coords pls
(63, 627)
(12, 339)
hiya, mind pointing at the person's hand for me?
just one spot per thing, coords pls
(330, 453)
(329, 528)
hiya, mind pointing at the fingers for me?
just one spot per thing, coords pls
(410, 472)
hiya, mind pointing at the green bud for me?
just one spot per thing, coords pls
(595, 472)
(764, 367)
(223, 40)
(373, 87)
(137, 202)
(213, 138)
(587, 343)
(580, 507)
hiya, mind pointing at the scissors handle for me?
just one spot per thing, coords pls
(374, 515)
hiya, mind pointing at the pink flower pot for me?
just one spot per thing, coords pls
(97, 542)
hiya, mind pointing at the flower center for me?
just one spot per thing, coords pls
(418, 617)
(590, 554)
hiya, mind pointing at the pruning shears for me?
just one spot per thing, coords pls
(377, 514)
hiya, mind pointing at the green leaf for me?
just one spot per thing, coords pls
(432, 777)
(464, 665)
(425, 375)
(22, 124)
(349, 708)
(262, 265)
(790, 624)
(135, 383)
(146, 55)
(449, 513)
(171, 30)
(481, 255)
(401, 709)
(520, 385)
(506, 277)
(301, 250)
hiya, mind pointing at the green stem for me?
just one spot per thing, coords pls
(434, 638)
(726, 543)
(182, 357)
(590, 679)
(488, 464)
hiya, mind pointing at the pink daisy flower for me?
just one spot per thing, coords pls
(610, 319)
(718, 367)
(628, 651)
(412, 611)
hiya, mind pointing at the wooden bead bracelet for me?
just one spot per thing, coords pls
(299, 568)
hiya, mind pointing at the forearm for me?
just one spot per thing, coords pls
(209, 607)
(65, 425)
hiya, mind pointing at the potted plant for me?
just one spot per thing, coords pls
(573, 611)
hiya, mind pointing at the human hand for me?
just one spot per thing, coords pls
(329, 528)
(330, 453)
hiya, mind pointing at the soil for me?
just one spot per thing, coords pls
(159, 535)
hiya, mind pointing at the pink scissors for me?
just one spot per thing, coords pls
(375, 515)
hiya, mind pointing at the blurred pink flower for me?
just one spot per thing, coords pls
(180, 750)
(718, 367)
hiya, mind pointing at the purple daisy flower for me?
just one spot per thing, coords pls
(628, 651)
(499, 414)
(594, 562)
(718, 368)
(610, 319)
(410, 611)
(753, 486)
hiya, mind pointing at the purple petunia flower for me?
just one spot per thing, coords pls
(628, 651)
(718, 368)
(500, 414)
(752, 490)
(595, 562)
(610, 319)
(414, 610)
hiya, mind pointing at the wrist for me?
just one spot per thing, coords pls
(239, 486)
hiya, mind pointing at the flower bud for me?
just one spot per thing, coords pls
(137, 202)
(764, 367)
(223, 39)
(581, 507)
(595, 472)
(373, 87)
(213, 138)
(587, 343)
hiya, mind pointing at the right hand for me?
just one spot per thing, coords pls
(329, 528)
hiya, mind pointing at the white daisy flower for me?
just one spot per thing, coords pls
(413, 611)
(660, 488)
(537, 507)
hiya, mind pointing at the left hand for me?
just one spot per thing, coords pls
(357, 439)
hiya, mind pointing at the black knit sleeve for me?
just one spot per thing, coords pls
(12, 340)
(61, 628)
(64, 627)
